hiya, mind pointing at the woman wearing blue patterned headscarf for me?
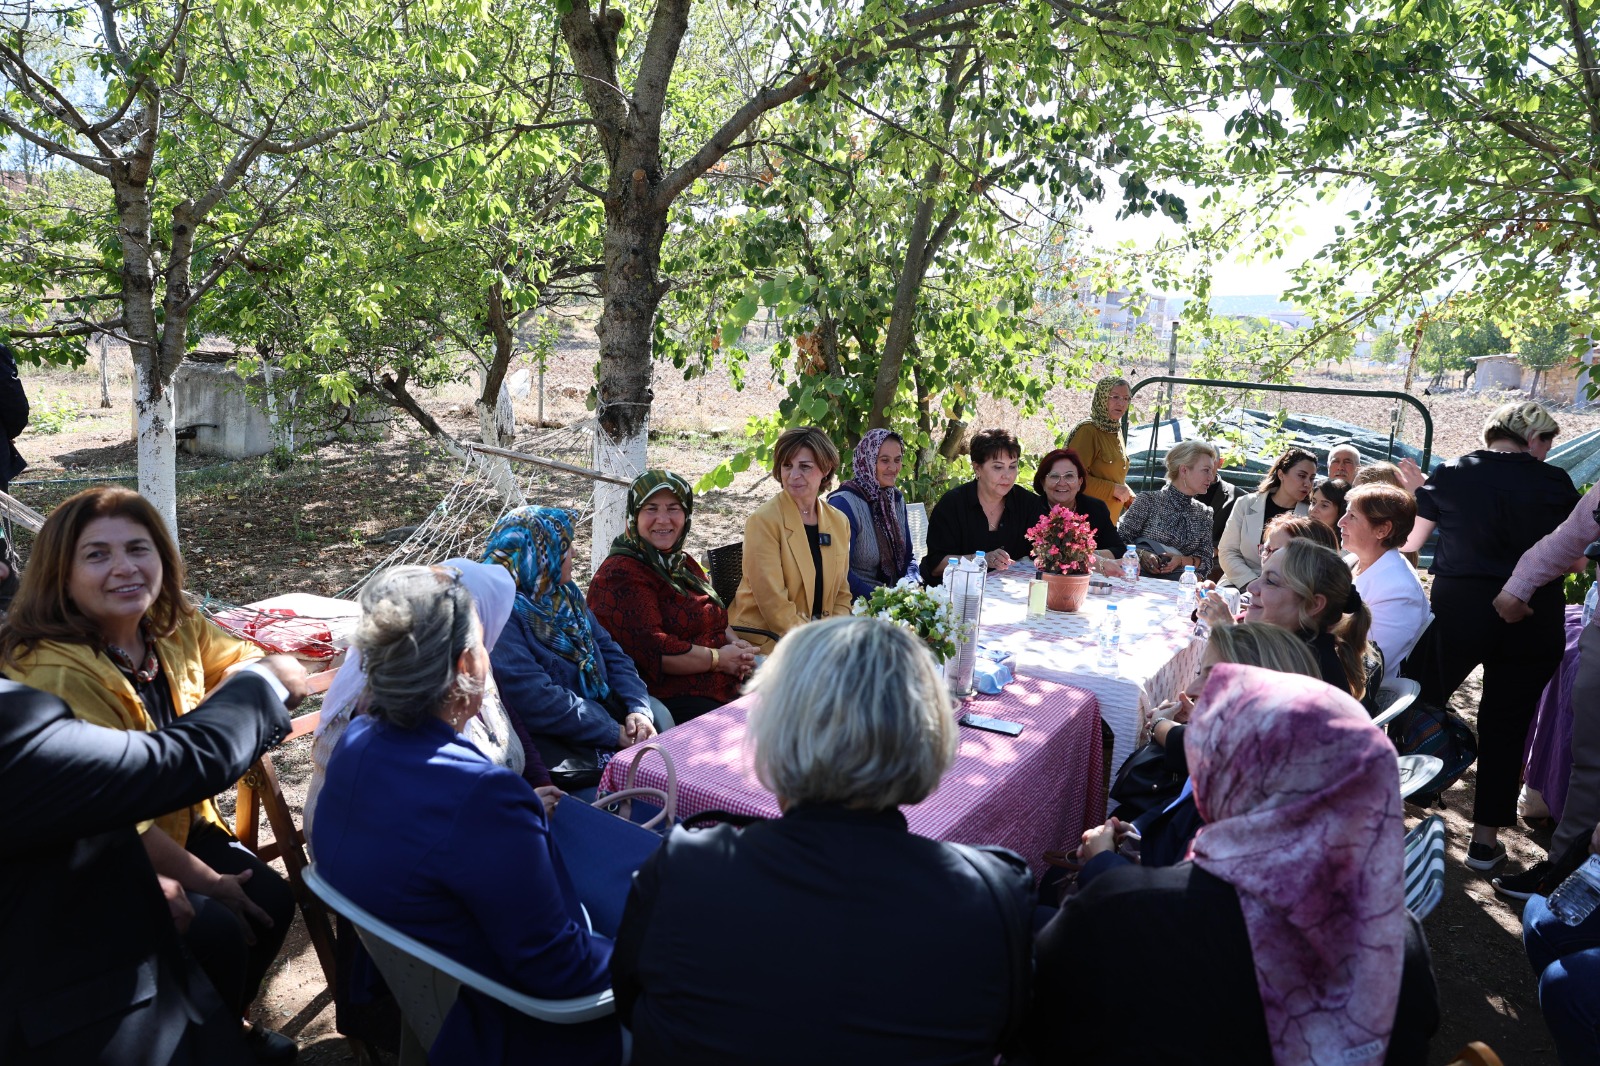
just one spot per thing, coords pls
(558, 670)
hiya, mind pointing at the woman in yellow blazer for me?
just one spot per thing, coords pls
(1098, 442)
(101, 621)
(796, 545)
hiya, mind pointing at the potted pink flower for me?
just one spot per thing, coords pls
(1063, 550)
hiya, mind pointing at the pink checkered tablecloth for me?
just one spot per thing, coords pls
(1031, 793)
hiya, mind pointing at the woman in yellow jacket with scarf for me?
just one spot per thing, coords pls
(1098, 442)
(101, 621)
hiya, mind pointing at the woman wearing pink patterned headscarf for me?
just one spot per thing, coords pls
(1284, 939)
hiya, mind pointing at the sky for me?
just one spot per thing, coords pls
(1268, 278)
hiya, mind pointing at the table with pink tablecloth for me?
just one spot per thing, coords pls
(1031, 793)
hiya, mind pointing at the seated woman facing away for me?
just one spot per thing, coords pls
(880, 535)
(838, 936)
(492, 730)
(1377, 521)
(655, 601)
(796, 545)
(1171, 528)
(1164, 831)
(1284, 490)
(1284, 939)
(418, 827)
(990, 514)
(1060, 480)
(575, 691)
(101, 621)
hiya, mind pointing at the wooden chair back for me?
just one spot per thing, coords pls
(259, 792)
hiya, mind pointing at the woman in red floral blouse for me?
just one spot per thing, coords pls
(655, 601)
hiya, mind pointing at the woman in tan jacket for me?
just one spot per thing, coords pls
(796, 545)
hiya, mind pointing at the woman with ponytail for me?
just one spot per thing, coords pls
(1307, 589)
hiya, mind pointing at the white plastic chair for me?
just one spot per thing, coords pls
(1395, 697)
(1425, 866)
(425, 982)
(917, 519)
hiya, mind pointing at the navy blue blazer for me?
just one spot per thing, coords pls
(541, 688)
(421, 829)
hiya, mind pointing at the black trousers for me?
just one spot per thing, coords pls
(688, 708)
(1518, 661)
(216, 938)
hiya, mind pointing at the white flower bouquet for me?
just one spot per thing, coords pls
(924, 611)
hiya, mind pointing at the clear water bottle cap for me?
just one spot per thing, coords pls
(977, 555)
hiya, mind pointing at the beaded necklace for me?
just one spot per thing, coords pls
(151, 666)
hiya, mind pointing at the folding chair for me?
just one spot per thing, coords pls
(426, 982)
(725, 567)
(917, 519)
(1425, 866)
(1395, 697)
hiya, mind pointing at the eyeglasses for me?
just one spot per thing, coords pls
(1070, 474)
(1267, 551)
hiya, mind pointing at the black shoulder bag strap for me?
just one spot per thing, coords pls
(1019, 946)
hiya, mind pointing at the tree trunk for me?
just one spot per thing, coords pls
(158, 444)
(105, 372)
(634, 232)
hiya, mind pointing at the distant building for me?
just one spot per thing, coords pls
(1562, 384)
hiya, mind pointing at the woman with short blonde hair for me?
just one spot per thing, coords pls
(796, 545)
(851, 721)
(1489, 507)
(1171, 528)
(854, 714)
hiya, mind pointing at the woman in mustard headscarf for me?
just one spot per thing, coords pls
(655, 601)
(1098, 442)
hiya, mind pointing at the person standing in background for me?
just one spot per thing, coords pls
(1098, 442)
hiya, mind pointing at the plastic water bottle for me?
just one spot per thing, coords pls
(1109, 635)
(1590, 600)
(966, 603)
(1130, 564)
(1579, 895)
(1186, 589)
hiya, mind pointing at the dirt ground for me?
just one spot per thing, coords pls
(249, 531)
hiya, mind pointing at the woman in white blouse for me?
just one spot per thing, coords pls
(1377, 520)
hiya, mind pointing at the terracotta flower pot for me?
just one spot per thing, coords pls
(1066, 592)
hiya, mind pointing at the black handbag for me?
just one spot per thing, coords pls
(1145, 782)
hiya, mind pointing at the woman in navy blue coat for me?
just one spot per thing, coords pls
(420, 828)
(574, 689)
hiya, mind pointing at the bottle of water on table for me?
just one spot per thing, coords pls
(1579, 895)
(1109, 635)
(1130, 564)
(966, 603)
(1186, 589)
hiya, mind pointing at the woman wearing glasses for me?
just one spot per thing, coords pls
(1489, 507)
(1061, 480)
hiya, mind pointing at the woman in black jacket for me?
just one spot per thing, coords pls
(831, 934)
(1489, 507)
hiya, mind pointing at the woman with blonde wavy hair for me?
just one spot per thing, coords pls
(1308, 590)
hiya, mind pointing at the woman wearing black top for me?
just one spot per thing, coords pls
(1490, 506)
(1059, 481)
(990, 514)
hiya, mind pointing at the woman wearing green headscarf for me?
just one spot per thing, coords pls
(655, 601)
(1098, 442)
